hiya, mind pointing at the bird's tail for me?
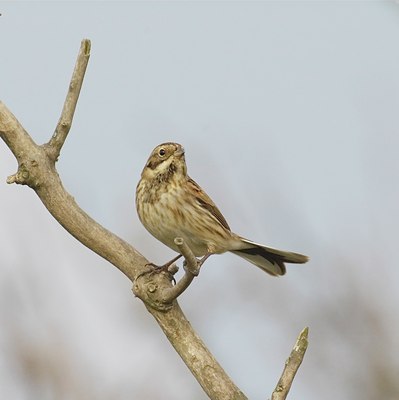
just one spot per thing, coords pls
(269, 259)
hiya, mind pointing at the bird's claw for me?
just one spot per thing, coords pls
(157, 269)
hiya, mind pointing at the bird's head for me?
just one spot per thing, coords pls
(166, 160)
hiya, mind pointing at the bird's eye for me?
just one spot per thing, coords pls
(162, 152)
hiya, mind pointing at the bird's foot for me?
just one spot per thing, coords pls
(156, 269)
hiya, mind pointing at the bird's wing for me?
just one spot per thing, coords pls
(205, 201)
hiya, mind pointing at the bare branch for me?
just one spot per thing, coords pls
(38, 171)
(65, 122)
(191, 271)
(13, 134)
(291, 366)
(36, 168)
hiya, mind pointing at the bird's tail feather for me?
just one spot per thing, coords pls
(269, 259)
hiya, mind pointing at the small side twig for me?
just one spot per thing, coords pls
(291, 366)
(191, 271)
(64, 123)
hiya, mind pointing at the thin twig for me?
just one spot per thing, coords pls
(65, 122)
(291, 366)
(191, 271)
(191, 264)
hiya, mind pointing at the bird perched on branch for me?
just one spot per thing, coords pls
(170, 204)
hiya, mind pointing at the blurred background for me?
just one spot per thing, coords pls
(288, 112)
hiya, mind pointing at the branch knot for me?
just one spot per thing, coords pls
(150, 288)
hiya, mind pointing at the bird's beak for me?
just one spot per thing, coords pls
(180, 151)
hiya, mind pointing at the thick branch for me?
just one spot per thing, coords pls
(38, 171)
(9, 129)
(291, 366)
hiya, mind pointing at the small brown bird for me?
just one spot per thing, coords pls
(170, 204)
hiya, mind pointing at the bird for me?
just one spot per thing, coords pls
(170, 204)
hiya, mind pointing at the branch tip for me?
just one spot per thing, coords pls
(179, 241)
(302, 341)
(291, 366)
(86, 46)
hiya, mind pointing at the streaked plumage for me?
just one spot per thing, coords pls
(170, 204)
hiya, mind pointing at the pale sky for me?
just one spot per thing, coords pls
(288, 112)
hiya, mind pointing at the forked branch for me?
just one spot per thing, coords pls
(36, 168)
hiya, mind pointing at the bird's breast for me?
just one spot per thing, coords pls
(170, 211)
